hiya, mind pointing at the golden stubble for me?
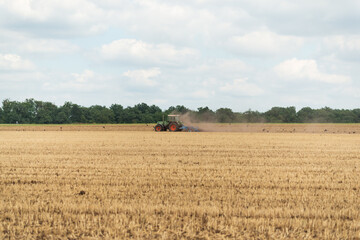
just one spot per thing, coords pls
(145, 185)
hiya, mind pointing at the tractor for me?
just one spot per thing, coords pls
(173, 123)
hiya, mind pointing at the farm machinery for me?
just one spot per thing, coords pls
(173, 124)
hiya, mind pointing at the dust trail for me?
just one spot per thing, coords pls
(212, 126)
(191, 120)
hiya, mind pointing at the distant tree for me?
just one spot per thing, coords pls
(77, 115)
(344, 116)
(46, 112)
(100, 114)
(225, 115)
(179, 109)
(281, 115)
(250, 117)
(142, 113)
(11, 112)
(1, 115)
(306, 115)
(61, 117)
(204, 114)
(118, 112)
(28, 111)
(356, 112)
(33, 111)
(324, 115)
(130, 115)
(64, 113)
(156, 113)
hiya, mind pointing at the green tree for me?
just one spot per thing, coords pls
(46, 112)
(118, 112)
(179, 109)
(281, 115)
(205, 114)
(306, 115)
(156, 113)
(324, 115)
(11, 112)
(77, 115)
(64, 113)
(251, 117)
(356, 112)
(225, 115)
(28, 111)
(130, 115)
(100, 114)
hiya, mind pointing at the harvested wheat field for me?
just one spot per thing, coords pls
(147, 185)
(328, 128)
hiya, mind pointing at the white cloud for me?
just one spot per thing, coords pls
(229, 66)
(84, 77)
(160, 44)
(41, 11)
(142, 52)
(87, 81)
(143, 77)
(343, 46)
(203, 93)
(14, 62)
(47, 46)
(56, 17)
(341, 42)
(295, 69)
(306, 17)
(219, 68)
(241, 87)
(179, 21)
(22, 44)
(265, 43)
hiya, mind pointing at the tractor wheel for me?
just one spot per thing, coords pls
(173, 127)
(158, 128)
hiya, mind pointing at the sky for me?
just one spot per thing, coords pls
(249, 54)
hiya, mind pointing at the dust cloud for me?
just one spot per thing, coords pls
(211, 126)
(322, 128)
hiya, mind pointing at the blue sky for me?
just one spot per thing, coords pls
(251, 54)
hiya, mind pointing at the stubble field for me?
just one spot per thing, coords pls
(207, 185)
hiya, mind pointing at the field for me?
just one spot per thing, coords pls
(207, 127)
(113, 184)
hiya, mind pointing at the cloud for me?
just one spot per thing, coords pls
(180, 22)
(349, 43)
(223, 66)
(241, 87)
(83, 77)
(13, 62)
(306, 17)
(183, 52)
(344, 46)
(143, 77)
(141, 52)
(295, 69)
(87, 81)
(47, 46)
(264, 43)
(58, 17)
(203, 93)
(211, 72)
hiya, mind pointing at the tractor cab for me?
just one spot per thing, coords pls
(174, 118)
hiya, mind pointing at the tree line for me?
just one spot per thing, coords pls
(40, 112)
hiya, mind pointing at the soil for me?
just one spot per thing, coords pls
(204, 127)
